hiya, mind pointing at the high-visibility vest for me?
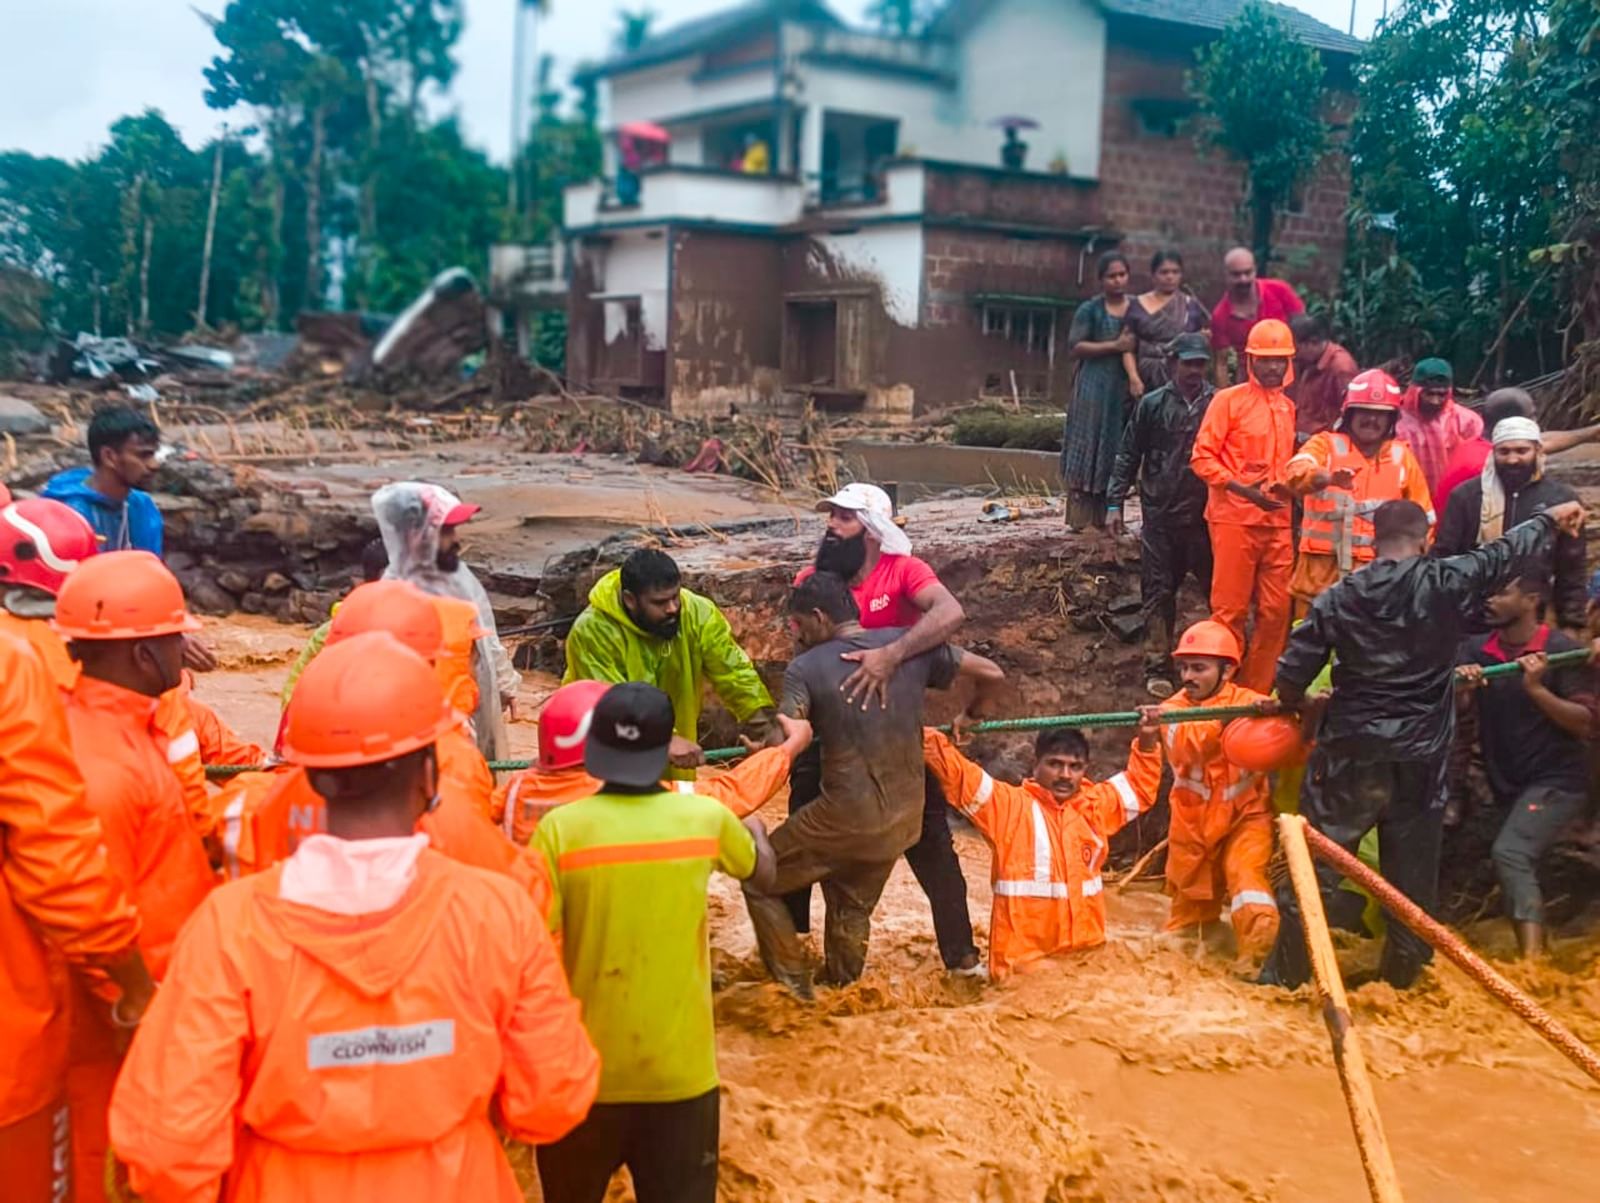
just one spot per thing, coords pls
(1338, 522)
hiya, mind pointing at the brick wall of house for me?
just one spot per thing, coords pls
(1160, 190)
(992, 195)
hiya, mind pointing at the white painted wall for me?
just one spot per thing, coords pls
(662, 93)
(890, 253)
(635, 264)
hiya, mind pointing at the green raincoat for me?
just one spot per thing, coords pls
(605, 645)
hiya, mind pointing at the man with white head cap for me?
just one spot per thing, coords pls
(1510, 489)
(892, 588)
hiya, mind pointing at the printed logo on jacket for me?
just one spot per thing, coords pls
(382, 1046)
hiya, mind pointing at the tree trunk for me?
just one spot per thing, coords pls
(319, 129)
(270, 254)
(96, 319)
(367, 216)
(144, 275)
(211, 233)
(132, 204)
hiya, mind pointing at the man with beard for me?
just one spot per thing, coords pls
(1535, 729)
(892, 588)
(1510, 489)
(870, 807)
(1432, 421)
(1394, 631)
(641, 624)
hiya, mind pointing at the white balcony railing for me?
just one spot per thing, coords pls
(688, 194)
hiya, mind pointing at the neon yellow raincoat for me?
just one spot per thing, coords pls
(605, 645)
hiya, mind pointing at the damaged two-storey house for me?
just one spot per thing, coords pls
(793, 208)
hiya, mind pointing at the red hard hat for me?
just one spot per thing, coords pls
(564, 723)
(5, 494)
(41, 541)
(1263, 745)
(1209, 638)
(122, 595)
(364, 701)
(397, 607)
(1372, 389)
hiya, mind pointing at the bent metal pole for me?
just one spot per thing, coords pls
(1367, 1125)
(1452, 946)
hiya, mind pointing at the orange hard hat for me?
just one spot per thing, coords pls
(368, 699)
(1372, 389)
(41, 542)
(564, 723)
(122, 595)
(1209, 638)
(1271, 339)
(399, 608)
(1263, 745)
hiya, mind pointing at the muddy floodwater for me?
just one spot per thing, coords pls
(1141, 1071)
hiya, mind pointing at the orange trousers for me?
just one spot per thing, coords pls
(1251, 564)
(35, 1156)
(1239, 874)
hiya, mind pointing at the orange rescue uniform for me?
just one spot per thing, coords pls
(533, 793)
(1336, 535)
(155, 851)
(1247, 436)
(299, 1054)
(1048, 853)
(1220, 841)
(59, 902)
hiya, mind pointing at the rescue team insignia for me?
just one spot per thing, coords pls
(382, 1046)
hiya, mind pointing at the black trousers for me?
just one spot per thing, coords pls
(670, 1150)
(1344, 798)
(1168, 552)
(932, 858)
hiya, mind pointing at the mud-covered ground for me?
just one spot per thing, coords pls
(1142, 1071)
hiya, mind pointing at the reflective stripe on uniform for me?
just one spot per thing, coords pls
(1041, 845)
(1246, 898)
(1092, 886)
(185, 746)
(683, 787)
(232, 822)
(1130, 800)
(1195, 785)
(980, 796)
(1241, 786)
(1031, 889)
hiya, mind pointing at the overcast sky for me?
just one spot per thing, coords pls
(74, 66)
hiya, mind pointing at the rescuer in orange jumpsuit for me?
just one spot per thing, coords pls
(559, 776)
(123, 617)
(1345, 474)
(1220, 840)
(1049, 837)
(343, 1026)
(268, 815)
(1242, 453)
(59, 901)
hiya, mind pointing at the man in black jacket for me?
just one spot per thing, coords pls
(1174, 541)
(1394, 629)
(1512, 488)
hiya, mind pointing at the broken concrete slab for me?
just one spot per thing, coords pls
(18, 417)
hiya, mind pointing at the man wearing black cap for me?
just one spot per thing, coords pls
(1174, 541)
(629, 868)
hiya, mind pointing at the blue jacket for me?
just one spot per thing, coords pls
(134, 524)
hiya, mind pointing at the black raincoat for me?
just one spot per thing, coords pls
(1396, 626)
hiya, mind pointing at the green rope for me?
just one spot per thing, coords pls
(1110, 718)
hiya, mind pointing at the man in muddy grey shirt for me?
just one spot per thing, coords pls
(870, 807)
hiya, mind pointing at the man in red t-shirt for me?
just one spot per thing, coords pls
(892, 588)
(1249, 299)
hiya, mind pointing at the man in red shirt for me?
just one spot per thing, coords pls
(892, 588)
(1323, 371)
(1249, 299)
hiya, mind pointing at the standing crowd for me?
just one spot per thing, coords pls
(356, 968)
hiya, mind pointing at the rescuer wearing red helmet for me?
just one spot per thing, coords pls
(123, 616)
(346, 1024)
(559, 776)
(1344, 475)
(1220, 840)
(1242, 452)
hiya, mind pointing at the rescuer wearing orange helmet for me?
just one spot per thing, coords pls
(272, 814)
(1345, 474)
(1220, 838)
(123, 616)
(1049, 837)
(344, 1025)
(1242, 453)
(59, 901)
(559, 776)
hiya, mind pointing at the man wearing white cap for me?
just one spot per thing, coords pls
(892, 588)
(1511, 488)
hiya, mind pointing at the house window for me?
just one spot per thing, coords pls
(1030, 327)
(1028, 335)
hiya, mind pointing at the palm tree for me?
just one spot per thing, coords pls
(633, 29)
